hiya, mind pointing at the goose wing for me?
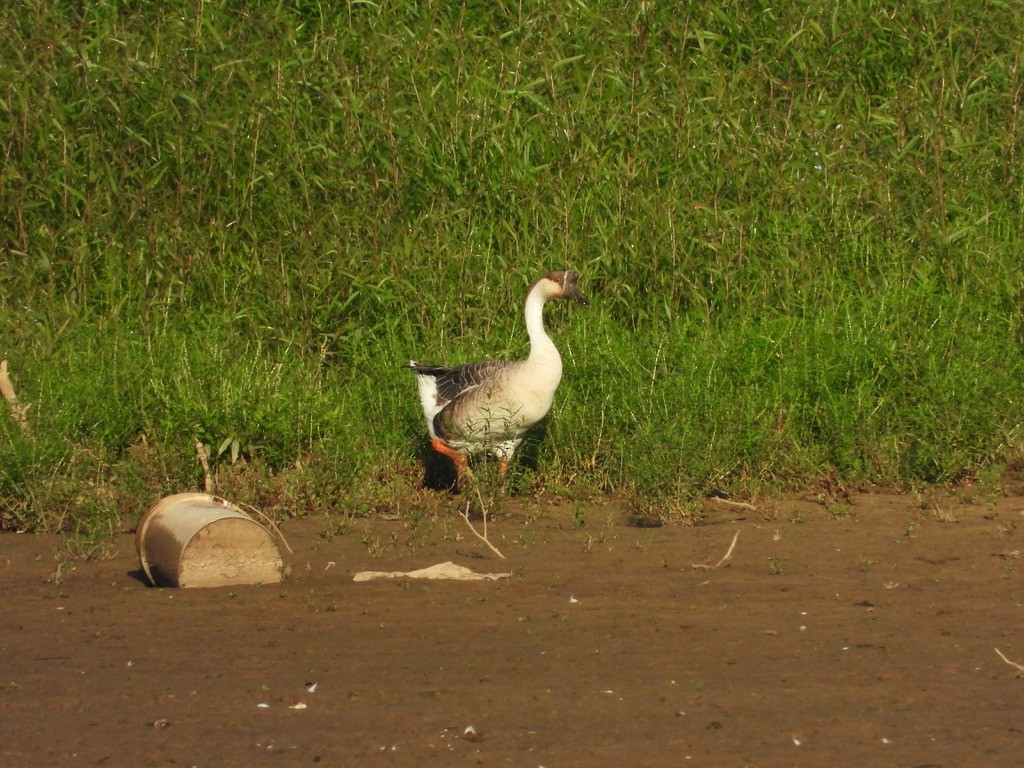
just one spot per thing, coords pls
(455, 381)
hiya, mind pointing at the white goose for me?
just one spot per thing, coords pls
(490, 405)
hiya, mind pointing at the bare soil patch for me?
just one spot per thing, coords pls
(860, 635)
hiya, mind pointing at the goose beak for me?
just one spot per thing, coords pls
(570, 291)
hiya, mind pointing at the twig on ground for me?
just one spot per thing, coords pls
(18, 410)
(483, 538)
(208, 483)
(725, 558)
(1015, 665)
(731, 503)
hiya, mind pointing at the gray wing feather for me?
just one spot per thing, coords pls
(455, 381)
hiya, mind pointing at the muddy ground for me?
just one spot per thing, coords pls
(837, 634)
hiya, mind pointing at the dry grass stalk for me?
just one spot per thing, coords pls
(725, 558)
(482, 537)
(208, 483)
(18, 410)
(1015, 665)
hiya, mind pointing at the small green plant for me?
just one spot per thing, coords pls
(579, 517)
(839, 508)
(375, 546)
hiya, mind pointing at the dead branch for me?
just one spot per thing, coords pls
(18, 410)
(483, 537)
(1015, 665)
(725, 558)
(731, 503)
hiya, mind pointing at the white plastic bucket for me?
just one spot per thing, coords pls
(199, 540)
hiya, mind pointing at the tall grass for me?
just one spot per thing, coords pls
(800, 226)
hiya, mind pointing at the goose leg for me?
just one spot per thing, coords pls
(502, 467)
(459, 458)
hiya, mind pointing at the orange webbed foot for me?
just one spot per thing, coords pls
(460, 460)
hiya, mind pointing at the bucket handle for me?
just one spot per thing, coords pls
(266, 519)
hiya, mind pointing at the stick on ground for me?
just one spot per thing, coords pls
(725, 558)
(1015, 665)
(731, 503)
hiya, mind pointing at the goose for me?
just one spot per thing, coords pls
(490, 405)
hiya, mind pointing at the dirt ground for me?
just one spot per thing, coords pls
(844, 634)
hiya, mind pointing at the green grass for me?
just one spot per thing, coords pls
(799, 225)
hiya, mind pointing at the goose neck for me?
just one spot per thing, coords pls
(540, 342)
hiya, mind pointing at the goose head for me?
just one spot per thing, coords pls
(561, 285)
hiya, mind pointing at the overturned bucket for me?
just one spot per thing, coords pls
(199, 540)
